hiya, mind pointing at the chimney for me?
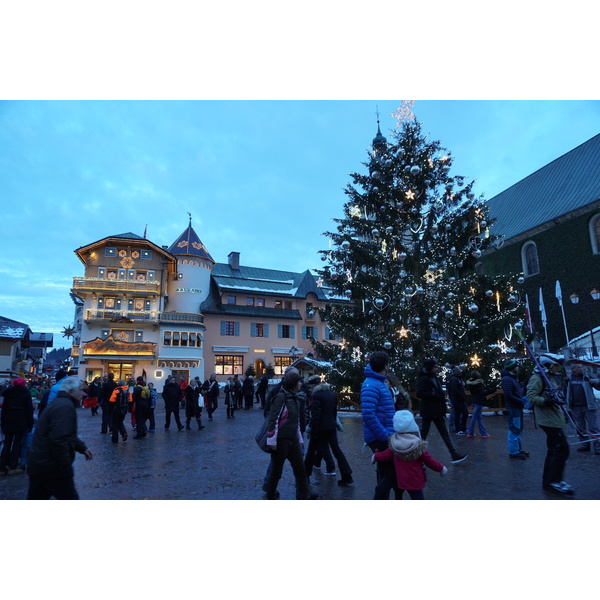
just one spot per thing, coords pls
(234, 260)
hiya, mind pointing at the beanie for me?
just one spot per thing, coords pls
(19, 381)
(429, 364)
(510, 364)
(404, 422)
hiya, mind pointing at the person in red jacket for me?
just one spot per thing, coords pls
(408, 452)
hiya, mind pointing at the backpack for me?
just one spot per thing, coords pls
(145, 392)
(122, 400)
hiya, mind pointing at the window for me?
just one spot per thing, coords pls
(101, 272)
(329, 335)
(122, 274)
(260, 302)
(193, 338)
(281, 364)
(104, 333)
(309, 332)
(230, 328)
(150, 275)
(595, 233)
(184, 338)
(288, 304)
(230, 299)
(131, 274)
(529, 258)
(139, 336)
(176, 338)
(100, 303)
(146, 254)
(278, 304)
(110, 252)
(286, 331)
(249, 301)
(259, 329)
(167, 338)
(229, 364)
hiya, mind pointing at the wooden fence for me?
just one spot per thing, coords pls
(349, 402)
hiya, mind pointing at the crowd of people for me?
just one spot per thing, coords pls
(39, 421)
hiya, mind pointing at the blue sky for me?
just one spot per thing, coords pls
(263, 178)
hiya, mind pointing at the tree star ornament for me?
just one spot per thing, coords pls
(404, 112)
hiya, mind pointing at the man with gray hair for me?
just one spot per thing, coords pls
(55, 441)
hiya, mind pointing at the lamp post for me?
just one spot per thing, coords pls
(294, 353)
(595, 294)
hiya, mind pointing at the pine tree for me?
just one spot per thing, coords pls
(406, 257)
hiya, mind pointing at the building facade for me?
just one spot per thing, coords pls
(551, 226)
(14, 344)
(153, 311)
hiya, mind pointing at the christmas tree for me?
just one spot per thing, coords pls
(406, 256)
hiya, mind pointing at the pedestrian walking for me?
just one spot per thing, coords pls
(323, 432)
(108, 387)
(248, 392)
(409, 454)
(550, 418)
(141, 400)
(378, 415)
(455, 386)
(285, 439)
(513, 400)
(192, 405)
(16, 419)
(171, 396)
(122, 403)
(153, 398)
(210, 389)
(230, 401)
(479, 395)
(54, 444)
(261, 392)
(583, 404)
(433, 406)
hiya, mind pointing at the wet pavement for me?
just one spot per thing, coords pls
(223, 462)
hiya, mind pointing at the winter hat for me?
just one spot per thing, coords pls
(19, 381)
(429, 364)
(404, 422)
(510, 364)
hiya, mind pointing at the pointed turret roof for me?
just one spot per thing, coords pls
(189, 244)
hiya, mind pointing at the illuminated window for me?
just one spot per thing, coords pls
(101, 272)
(260, 302)
(228, 364)
(110, 252)
(146, 254)
(278, 304)
(282, 363)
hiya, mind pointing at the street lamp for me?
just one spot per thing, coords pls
(595, 294)
(294, 352)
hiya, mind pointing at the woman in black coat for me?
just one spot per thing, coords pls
(248, 392)
(323, 434)
(16, 421)
(192, 408)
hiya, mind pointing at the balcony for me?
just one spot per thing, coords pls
(75, 350)
(121, 316)
(96, 284)
(178, 317)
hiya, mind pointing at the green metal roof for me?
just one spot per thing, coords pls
(566, 184)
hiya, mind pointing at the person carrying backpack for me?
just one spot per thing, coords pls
(141, 397)
(121, 401)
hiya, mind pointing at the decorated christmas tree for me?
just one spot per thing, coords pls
(406, 256)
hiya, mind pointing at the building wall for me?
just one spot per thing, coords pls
(566, 254)
(251, 348)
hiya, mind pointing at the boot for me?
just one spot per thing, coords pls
(200, 426)
(187, 424)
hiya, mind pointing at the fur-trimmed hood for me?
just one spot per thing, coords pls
(321, 387)
(407, 446)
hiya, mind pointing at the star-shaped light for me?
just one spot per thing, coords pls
(355, 211)
(404, 112)
(403, 332)
(475, 361)
(68, 332)
(430, 276)
(410, 195)
(320, 282)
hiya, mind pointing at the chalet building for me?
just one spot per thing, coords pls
(15, 340)
(551, 226)
(36, 353)
(154, 311)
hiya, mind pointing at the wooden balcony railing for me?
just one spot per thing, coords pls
(96, 284)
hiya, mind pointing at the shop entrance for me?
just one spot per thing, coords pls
(121, 370)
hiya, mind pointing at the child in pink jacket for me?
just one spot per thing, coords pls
(408, 451)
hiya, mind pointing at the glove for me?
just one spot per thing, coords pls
(444, 472)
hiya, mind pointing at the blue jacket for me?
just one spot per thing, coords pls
(377, 407)
(513, 397)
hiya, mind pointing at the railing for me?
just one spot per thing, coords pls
(116, 315)
(179, 317)
(350, 402)
(93, 284)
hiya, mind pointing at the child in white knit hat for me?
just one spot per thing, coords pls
(410, 456)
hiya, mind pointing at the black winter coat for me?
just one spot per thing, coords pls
(17, 410)
(55, 439)
(323, 410)
(171, 395)
(431, 394)
(478, 391)
(456, 389)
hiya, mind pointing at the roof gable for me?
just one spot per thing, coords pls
(568, 183)
(189, 244)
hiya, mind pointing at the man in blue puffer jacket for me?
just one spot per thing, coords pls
(378, 419)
